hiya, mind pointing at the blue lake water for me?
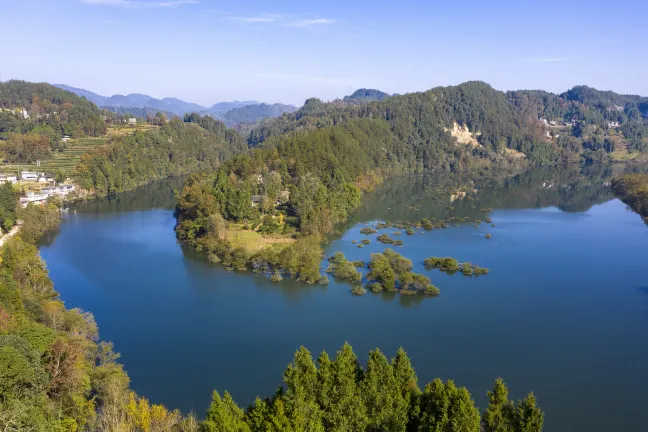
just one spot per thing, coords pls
(563, 311)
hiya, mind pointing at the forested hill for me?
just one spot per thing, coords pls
(34, 117)
(173, 149)
(582, 123)
(254, 113)
(366, 95)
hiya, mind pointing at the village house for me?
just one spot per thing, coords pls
(65, 138)
(60, 190)
(553, 123)
(613, 124)
(132, 121)
(33, 198)
(4, 178)
(30, 175)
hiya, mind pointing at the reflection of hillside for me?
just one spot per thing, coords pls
(569, 188)
(159, 194)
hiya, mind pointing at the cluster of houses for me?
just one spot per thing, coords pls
(46, 193)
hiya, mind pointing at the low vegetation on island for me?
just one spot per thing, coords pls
(632, 189)
(451, 265)
(391, 272)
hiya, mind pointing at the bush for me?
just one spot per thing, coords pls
(358, 291)
(368, 230)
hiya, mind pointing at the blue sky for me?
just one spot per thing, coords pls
(206, 51)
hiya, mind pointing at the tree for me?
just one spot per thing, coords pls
(346, 410)
(224, 415)
(528, 416)
(300, 378)
(444, 407)
(499, 415)
(383, 398)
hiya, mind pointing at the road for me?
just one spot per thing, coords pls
(11, 233)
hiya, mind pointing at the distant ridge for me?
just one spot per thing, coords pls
(366, 95)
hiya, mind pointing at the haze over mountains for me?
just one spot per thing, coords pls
(141, 105)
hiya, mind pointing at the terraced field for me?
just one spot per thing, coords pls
(65, 161)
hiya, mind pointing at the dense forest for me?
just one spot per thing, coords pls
(34, 118)
(175, 148)
(632, 189)
(582, 124)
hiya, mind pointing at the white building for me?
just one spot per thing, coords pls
(65, 138)
(4, 178)
(30, 175)
(34, 198)
(132, 121)
(613, 124)
(60, 190)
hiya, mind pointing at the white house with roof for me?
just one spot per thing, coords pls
(33, 198)
(60, 190)
(4, 178)
(132, 121)
(30, 175)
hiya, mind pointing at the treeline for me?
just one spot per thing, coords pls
(34, 117)
(173, 149)
(632, 189)
(339, 395)
(497, 120)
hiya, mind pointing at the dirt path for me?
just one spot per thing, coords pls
(11, 233)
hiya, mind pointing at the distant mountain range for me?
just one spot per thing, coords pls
(141, 105)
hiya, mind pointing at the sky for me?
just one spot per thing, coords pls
(206, 51)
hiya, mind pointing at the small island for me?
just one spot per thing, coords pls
(450, 265)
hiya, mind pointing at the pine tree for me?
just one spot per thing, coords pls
(300, 378)
(528, 416)
(386, 405)
(258, 415)
(407, 382)
(346, 411)
(224, 415)
(500, 413)
(444, 407)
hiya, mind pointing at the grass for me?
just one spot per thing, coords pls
(252, 241)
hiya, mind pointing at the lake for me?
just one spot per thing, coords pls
(563, 311)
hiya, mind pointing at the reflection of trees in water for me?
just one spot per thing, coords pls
(569, 188)
(158, 194)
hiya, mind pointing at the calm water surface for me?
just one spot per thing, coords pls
(563, 312)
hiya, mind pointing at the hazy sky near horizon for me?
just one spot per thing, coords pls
(206, 51)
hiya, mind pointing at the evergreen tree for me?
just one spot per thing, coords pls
(301, 394)
(224, 415)
(346, 411)
(258, 415)
(444, 407)
(386, 404)
(528, 416)
(407, 382)
(500, 413)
